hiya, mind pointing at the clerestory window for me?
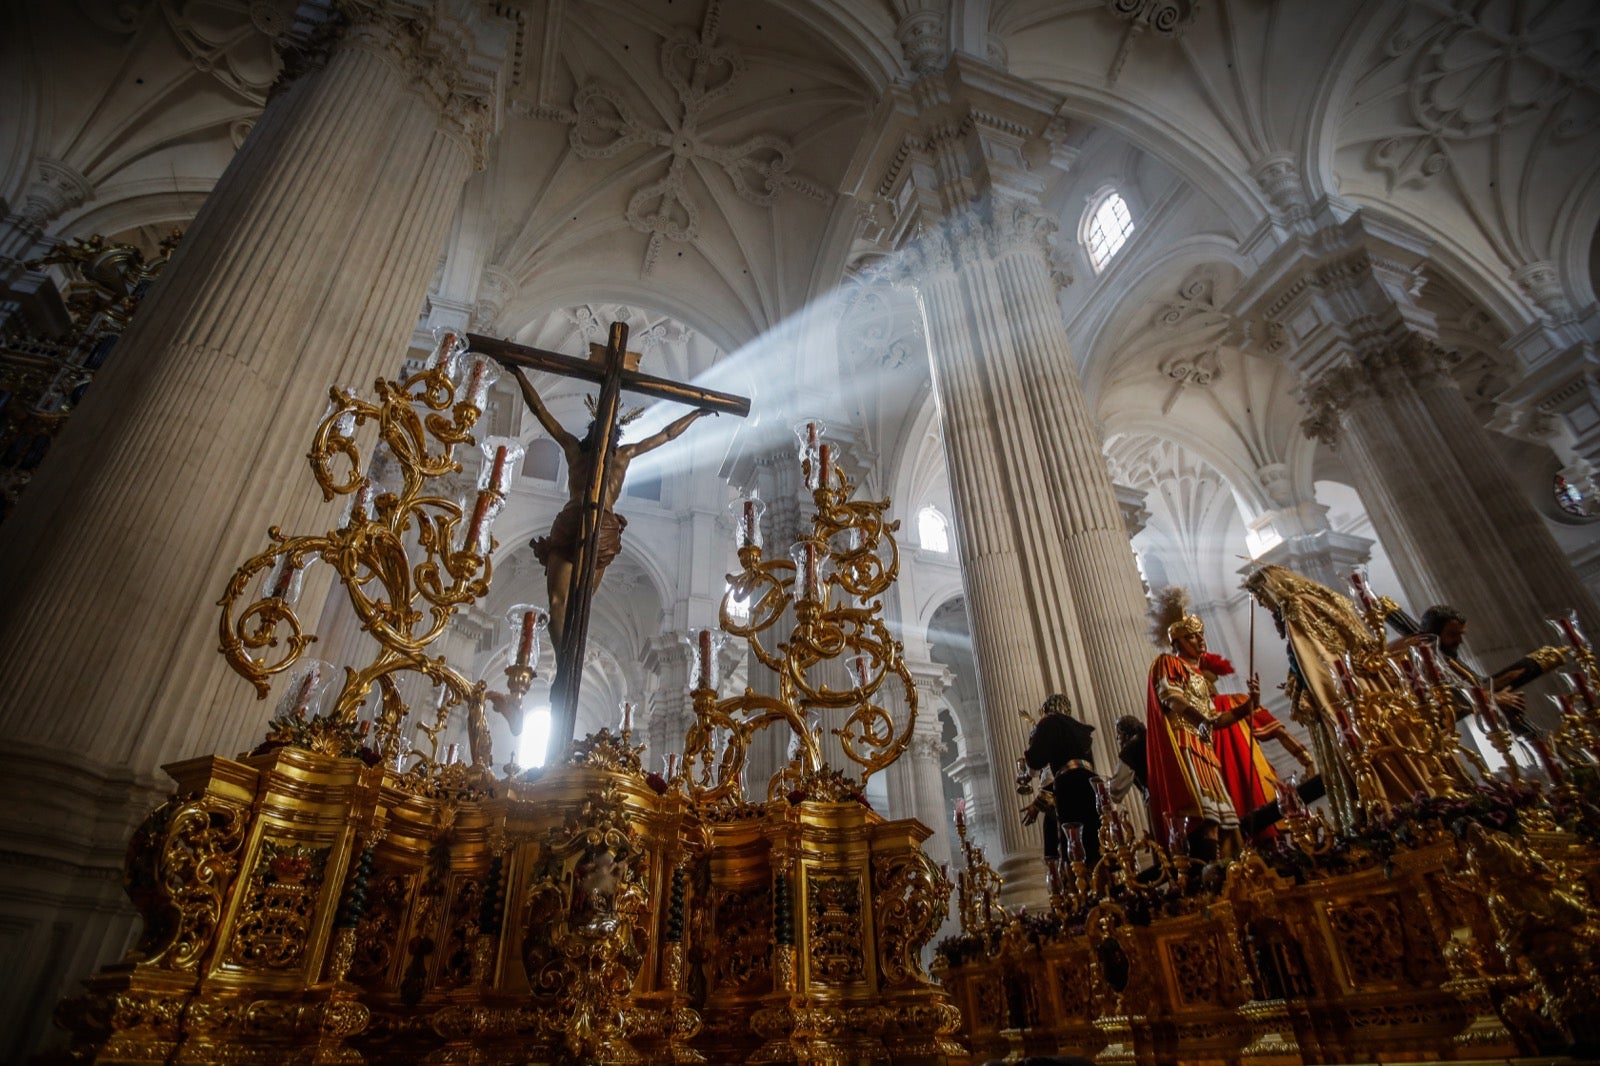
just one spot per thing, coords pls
(933, 530)
(1109, 223)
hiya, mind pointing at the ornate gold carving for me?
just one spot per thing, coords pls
(834, 911)
(180, 863)
(276, 918)
(913, 899)
(741, 921)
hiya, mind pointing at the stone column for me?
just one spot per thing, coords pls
(1052, 588)
(1342, 307)
(306, 266)
(1457, 525)
(916, 780)
(671, 712)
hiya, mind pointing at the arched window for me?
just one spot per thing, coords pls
(933, 530)
(1107, 226)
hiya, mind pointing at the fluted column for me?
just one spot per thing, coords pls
(306, 266)
(1052, 586)
(1458, 527)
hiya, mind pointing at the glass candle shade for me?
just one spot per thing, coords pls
(807, 570)
(809, 432)
(1072, 841)
(747, 512)
(303, 696)
(527, 622)
(1361, 589)
(704, 644)
(1345, 676)
(1567, 626)
(283, 579)
(1484, 712)
(363, 505)
(1177, 834)
(1289, 802)
(1102, 794)
(448, 344)
(860, 670)
(1428, 653)
(486, 508)
(481, 373)
(501, 457)
(345, 425)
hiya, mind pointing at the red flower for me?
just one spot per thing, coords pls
(1213, 663)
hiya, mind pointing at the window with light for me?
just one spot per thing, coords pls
(1110, 225)
(933, 531)
(535, 740)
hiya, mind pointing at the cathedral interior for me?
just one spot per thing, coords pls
(1105, 296)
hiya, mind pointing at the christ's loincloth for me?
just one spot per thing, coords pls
(562, 542)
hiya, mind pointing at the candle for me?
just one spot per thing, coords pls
(859, 664)
(1289, 801)
(444, 349)
(363, 727)
(1347, 681)
(528, 637)
(706, 659)
(282, 578)
(1547, 758)
(308, 685)
(1483, 709)
(1102, 794)
(824, 466)
(627, 716)
(450, 759)
(1567, 625)
(750, 525)
(672, 765)
(1358, 584)
(475, 384)
(1429, 653)
(1177, 834)
(811, 436)
(1408, 667)
(809, 550)
(1580, 681)
(477, 528)
(497, 479)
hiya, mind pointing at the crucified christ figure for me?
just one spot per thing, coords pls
(557, 552)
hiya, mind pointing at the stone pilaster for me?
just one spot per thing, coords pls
(306, 266)
(1052, 587)
(1457, 525)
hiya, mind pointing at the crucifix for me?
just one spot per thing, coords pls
(573, 573)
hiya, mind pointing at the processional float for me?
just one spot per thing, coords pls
(341, 896)
(1431, 911)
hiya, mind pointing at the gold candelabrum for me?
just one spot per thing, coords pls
(831, 585)
(332, 897)
(407, 556)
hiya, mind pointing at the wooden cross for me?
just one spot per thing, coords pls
(608, 368)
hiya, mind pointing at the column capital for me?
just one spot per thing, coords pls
(1369, 375)
(1350, 284)
(451, 54)
(925, 40)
